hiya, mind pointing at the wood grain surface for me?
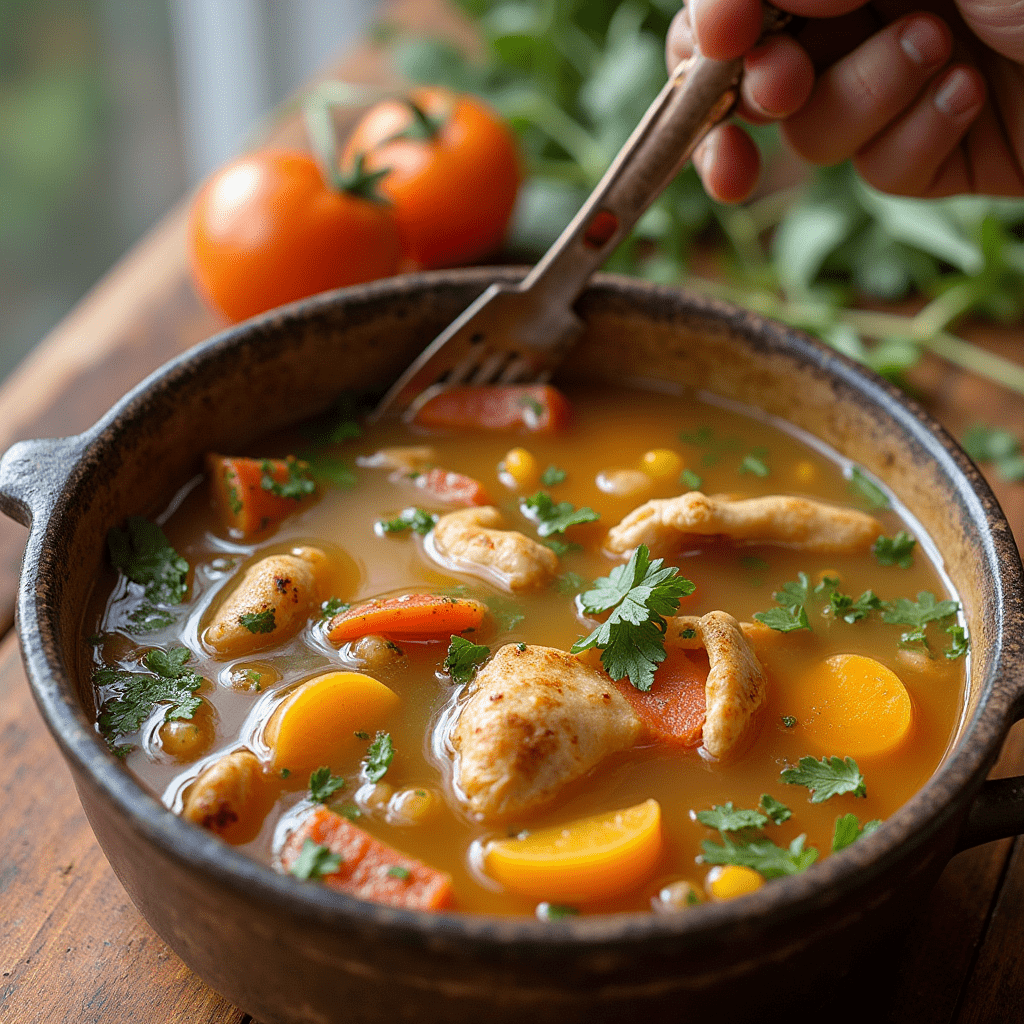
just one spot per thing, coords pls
(74, 949)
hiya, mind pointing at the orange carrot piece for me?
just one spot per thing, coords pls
(537, 407)
(452, 488)
(411, 617)
(369, 869)
(674, 708)
(247, 507)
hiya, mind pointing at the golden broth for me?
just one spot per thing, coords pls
(610, 431)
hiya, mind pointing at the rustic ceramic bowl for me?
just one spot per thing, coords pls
(287, 951)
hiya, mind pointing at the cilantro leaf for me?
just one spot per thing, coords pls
(849, 829)
(328, 469)
(314, 861)
(400, 872)
(323, 785)
(761, 854)
(298, 485)
(898, 550)
(142, 553)
(632, 638)
(552, 476)
(258, 622)
(777, 811)
(795, 593)
(551, 518)
(754, 465)
(378, 757)
(555, 911)
(864, 487)
(846, 608)
(727, 819)
(690, 480)
(960, 643)
(783, 620)
(332, 606)
(417, 519)
(927, 609)
(829, 777)
(788, 721)
(463, 658)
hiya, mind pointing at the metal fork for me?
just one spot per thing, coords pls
(521, 332)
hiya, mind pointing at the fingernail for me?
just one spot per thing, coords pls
(923, 42)
(957, 94)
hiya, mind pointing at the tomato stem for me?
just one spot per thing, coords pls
(422, 127)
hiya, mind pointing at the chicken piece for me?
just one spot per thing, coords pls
(231, 795)
(403, 459)
(470, 540)
(665, 524)
(270, 605)
(537, 719)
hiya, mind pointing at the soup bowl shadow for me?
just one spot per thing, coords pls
(287, 951)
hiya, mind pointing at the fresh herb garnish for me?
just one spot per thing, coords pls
(755, 465)
(554, 518)
(332, 606)
(690, 480)
(314, 861)
(552, 476)
(788, 721)
(569, 584)
(397, 871)
(329, 469)
(323, 785)
(463, 658)
(1000, 447)
(507, 613)
(849, 829)
(864, 487)
(761, 854)
(776, 810)
(361, 734)
(378, 757)
(298, 485)
(829, 777)
(844, 607)
(350, 811)
(531, 404)
(754, 563)
(959, 644)
(898, 550)
(142, 553)
(416, 519)
(258, 622)
(638, 594)
(791, 614)
(728, 819)
(918, 614)
(555, 911)
(561, 547)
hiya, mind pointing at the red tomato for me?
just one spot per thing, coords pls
(453, 190)
(267, 229)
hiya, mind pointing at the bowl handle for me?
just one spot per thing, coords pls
(997, 813)
(32, 474)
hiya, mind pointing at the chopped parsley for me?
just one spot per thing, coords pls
(865, 488)
(754, 564)
(849, 829)
(507, 612)
(959, 645)
(378, 757)
(829, 777)
(137, 695)
(761, 854)
(754, 465)
(298, 485)
(350, 811)
(561, 547)
(400, 872)
(554, 518)
(521, 648)
(360, 734)
(788, 721)
(416, 519)
(690, 480)
(142, 553)
(790, 614)
(898, 550)
(918, 614)
(314, 861)
(844, 607)
(728, 819)
(552, 476)
(258, 622)
(323, 785)
(332, 606)
(463, 658)
(1000, 447)
(329, 469)
(776, 810)
(569, 584)
(638, 594)
(555, 911)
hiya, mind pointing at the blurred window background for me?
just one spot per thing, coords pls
(111, 110)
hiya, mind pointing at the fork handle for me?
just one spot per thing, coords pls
(699, 94)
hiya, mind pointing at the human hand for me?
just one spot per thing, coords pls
(926, 102)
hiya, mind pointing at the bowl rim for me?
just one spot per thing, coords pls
(824, 884)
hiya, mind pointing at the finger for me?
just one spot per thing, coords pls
(724, 29)
(856, 98)
(910, 155)
(777, 80)
(679, 41)
(728, 164)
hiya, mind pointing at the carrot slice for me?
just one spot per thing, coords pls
(369, 869)
(411, 617)
(538, 407)
(245, 505)
(452, 488)
(674, 707)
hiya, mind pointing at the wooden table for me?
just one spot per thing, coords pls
(72, 946)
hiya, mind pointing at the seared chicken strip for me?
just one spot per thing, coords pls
(271, 603)
(537, 719)
(470, 540)
(229, 791)
(664, 524)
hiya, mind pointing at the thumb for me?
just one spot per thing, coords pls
(997, 23)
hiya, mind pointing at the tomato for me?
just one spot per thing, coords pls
(267, 229)
(453, 173)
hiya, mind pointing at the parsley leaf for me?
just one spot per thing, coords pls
(258, 622)
(137, 694)
(378, 757)
(142, 553)
(783, 620)
(727, 819)
(350, 811)
(298, 485)
(898, 550)
(561, 547)
(551, 518)
(864, 487)
(754, 465)
(1000, 447)
(788, 721)
(849, 829)
(775, 809)
(552, 476)
(829, 777)
(761, 854)
(569, 584)
(846, 608)
(400, 872)
(314, 861)
(417, 519)
(555, 911)
(690, 480)
(463, 658)
(323, 785)
(332, 606)
(927, 609)
(507, 612)
(638, 594)
(960, 643)
(329, 469)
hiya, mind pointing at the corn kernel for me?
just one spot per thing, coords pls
(732, 880)
(518, 470)
(804, 472)
(661, 463)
